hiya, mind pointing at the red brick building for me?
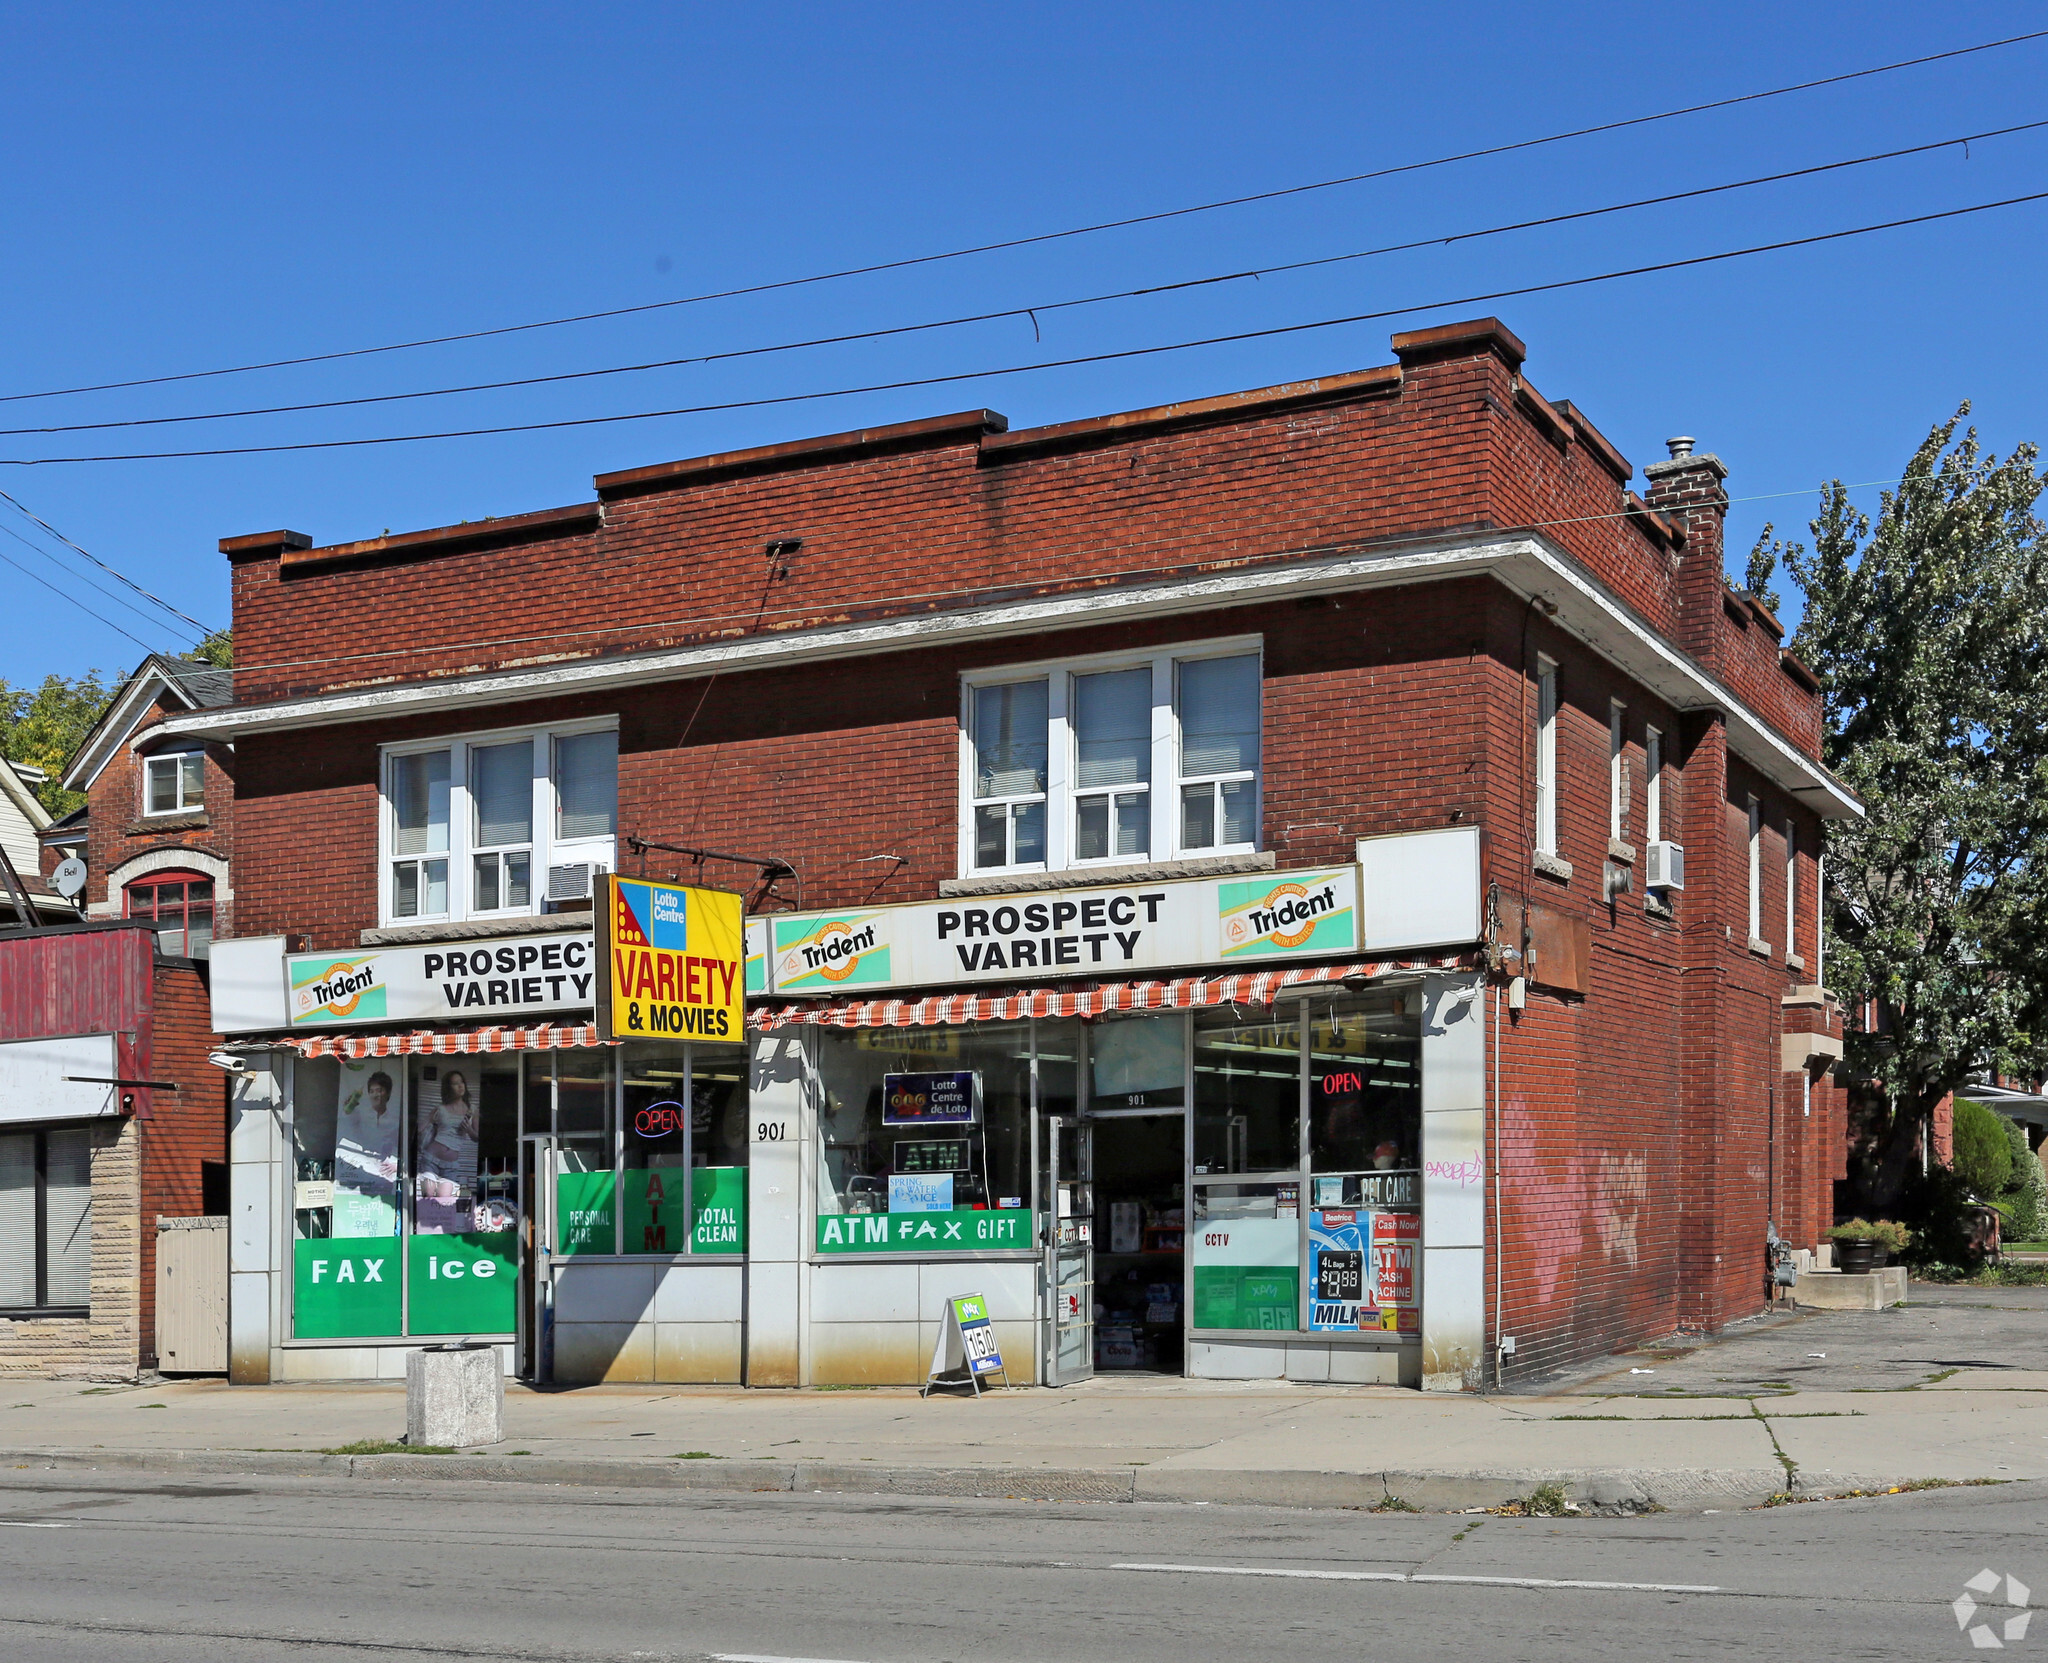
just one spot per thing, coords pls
(1394, 656)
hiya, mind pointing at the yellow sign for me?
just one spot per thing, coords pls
(670, 962)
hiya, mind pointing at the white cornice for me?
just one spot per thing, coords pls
(113, 728)
(1528, 565)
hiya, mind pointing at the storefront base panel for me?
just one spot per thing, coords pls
(671, 1323)
(359, 1362)
(1337, 1365)
(876, 1324)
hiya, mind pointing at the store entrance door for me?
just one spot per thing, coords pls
(1140, 1265)
(1069, 1252)
(537, 1168)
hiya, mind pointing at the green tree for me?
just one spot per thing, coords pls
(1929, 633)
(44, 725)
(218, 649)
(2026, 1192)
(1982, 1157)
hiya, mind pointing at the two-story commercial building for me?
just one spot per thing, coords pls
(1318, 882)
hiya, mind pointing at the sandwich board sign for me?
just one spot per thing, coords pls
(967, 1343)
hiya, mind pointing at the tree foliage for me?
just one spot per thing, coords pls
(44, 725)
(1982, 1158)
(1929, 633)
(2026, 1193)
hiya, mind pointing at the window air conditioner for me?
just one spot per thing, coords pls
(572, 883)
(1663, 866)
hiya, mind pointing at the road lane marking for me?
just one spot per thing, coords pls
(36, 1524)
(1405, 1576)
(770, 1657)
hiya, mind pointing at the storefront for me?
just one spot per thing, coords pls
(1272, 1168)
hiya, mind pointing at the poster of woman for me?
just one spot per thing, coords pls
(366, 1153)
(444, 1168)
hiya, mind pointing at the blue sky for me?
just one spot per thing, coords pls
(201, 186)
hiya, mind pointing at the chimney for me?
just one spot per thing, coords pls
(1688, 489)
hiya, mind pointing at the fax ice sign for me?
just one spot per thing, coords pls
(445, 982)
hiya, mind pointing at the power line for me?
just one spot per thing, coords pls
(150, 619)
(1043, 236)
(103, 566)
(75, 601)
(756, 617)
(1032, 311)
(1028, 369)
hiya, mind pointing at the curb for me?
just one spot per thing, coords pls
(1682, 1490)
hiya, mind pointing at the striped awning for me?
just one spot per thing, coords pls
(445, 1043)
(1186, 993)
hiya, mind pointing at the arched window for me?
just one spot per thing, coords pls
(180, 904)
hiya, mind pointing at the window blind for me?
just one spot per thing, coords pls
(1113, 725)
(419, 798)
(1010, 740)
(18, 1219)
(501, 793)
(1219, 716)
(586, 784)
(67, 1173)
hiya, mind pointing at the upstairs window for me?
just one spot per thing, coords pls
(1653, 785)
(180, 904)
(471, 827)
(1112, 761)
(1546, 757)
(174, 784)
(1756, 870)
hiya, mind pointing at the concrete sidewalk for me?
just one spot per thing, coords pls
(1676, 1427)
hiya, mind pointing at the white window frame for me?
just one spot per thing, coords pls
(1653, 785)
(546, 849)
(1756, 870)
(177, 761)
(1617, 770)
(1791, 888)
(1546, 755)
(1163, 788)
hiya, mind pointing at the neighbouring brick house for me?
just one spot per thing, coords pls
(1350, 858)
(110, 1114)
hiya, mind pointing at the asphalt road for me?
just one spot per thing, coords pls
(107, 1571)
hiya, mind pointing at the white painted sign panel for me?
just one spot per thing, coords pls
(36, 1083)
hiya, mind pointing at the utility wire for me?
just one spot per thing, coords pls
(1028, 369)
(75, 601)
(150, 619)
(1044, 236)
(898, 597)
(103, 566)
(1033, 311)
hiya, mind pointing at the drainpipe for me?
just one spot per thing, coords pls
(1499, 1177)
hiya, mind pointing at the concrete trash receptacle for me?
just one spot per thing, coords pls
(454, 1396)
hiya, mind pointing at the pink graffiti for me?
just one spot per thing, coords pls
(1465, 1173)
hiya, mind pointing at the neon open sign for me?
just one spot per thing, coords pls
(659, 1120)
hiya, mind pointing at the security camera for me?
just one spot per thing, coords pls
(233, 1061)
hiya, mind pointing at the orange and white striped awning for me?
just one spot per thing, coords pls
(1186, 993)
(445, 1043)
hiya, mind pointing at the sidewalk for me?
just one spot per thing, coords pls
(1903, 1413)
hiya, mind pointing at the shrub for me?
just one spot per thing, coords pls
(1938, 1207)
(1855, 1229)
(1982, 1159)
(2025, 1201)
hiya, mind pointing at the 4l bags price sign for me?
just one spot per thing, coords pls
(967, 1348)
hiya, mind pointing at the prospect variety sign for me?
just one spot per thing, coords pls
(448, 981)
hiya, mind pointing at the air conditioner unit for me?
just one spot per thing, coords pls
(572, 883)
(1663, 866)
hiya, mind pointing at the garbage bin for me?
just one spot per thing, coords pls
(454, 1396)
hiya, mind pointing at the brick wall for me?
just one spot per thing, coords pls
(118, 831)
(185, 1127)
(1645, 1129)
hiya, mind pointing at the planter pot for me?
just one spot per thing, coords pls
(1853, 1258)
(1883, 1256)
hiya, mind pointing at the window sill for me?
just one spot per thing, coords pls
(190, 819)
(480, 929)
(1625, 853)
(1760, 947)
(1082, 877)
(1655, 907)
(1551, 866)
(1794, 962)
(50, 1313)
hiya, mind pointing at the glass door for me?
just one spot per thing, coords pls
(537, 1167)
(1070, 1251)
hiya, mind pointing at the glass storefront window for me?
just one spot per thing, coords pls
(1247, 1255)
(1138, 1062)
(1365, 1101)
(928, 1134)
(683, 1119)
(1247, 1091)
(348, 1141)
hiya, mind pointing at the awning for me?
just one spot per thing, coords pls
(466, 1042)
(1244, 988)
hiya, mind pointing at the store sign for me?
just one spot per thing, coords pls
(952, 1099)
(671, 961)
(967, 1341)
(1247, 1273)
(465, 1284)
(443, 982)
(965, 1230)
(920, 1192)
(1112, 931)
(1396, 1248)
(343, 1288)
(1340, 1245)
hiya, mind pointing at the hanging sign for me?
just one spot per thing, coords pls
(671, 961)
(952, 1099)
(967, 1342)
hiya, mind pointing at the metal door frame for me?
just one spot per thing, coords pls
(1068, 1228)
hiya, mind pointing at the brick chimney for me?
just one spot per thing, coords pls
(1688, 489)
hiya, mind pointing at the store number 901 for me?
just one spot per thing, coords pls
(771, 1131)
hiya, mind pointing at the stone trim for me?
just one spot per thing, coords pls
(405, 935)
(1163, 871)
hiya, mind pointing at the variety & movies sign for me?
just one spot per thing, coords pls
(413, 984)
(1111, 931)
(672, 961)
